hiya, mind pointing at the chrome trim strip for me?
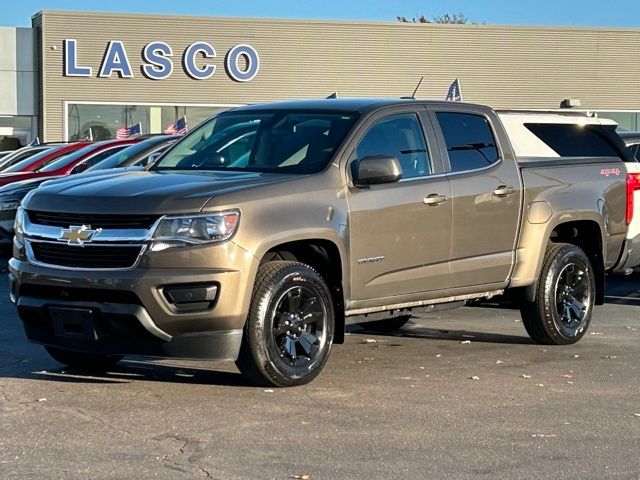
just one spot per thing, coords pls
(32, 259)
(106, 235)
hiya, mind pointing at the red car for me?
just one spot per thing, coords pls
(74, 160)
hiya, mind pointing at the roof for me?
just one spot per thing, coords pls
(343, 104)
(630, 138)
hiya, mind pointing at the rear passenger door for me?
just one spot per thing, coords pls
(399, 233)
(486, 194)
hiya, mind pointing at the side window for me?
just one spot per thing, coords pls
(635, 150)
(398, 136)
(469, 140)
(105, 154)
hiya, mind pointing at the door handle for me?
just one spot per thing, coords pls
(435, 199)
(503, 191)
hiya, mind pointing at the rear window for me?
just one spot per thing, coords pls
(469, 140)
(575, 140)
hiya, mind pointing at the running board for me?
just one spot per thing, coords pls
(421, 303)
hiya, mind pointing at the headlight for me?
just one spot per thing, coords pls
(18, 225)
(176, 231)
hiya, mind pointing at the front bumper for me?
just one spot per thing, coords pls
(128, 312)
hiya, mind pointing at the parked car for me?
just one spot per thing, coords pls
(134, 155)
(4, 153)
(23, 153)
(632, 141)
(79, 160)
(39, 160)
(259, 249)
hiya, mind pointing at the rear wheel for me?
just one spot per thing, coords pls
(561, 311)
(83, 361)
(290, 327)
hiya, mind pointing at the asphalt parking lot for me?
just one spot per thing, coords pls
(457, 394)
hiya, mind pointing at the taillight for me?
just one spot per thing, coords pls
(633, 185)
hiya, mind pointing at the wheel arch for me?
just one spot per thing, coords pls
(327, 258)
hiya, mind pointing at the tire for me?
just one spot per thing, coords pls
(83, 361)
(562, 309)
(279, 354)
(387, 325)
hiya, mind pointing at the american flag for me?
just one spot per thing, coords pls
(124, 132)
(455, 92)
(178, 127)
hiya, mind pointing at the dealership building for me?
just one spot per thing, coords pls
(73, 73)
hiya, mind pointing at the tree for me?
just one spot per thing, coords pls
(450, 18)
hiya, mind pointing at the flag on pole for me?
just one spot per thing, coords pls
(35, 142)
(178, 127)
(455, 92)
(133, 131)
(88, 137)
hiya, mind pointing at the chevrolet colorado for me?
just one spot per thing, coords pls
(259, 235)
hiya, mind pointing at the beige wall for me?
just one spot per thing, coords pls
(518, 67)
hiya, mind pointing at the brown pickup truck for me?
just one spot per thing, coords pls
(266, 229)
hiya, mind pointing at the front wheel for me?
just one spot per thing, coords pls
(290, 327)
(561, 311)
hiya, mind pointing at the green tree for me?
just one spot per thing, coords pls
(451, 18)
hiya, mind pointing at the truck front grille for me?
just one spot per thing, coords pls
(88, 256)
(55, 219)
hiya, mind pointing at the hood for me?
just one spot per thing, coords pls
(144, 192)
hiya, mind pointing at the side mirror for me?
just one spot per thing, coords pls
(375, 170)
(151, 159)
(82, 167)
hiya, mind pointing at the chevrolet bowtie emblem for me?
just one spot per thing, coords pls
(78, 235)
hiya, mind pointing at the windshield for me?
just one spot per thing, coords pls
(279, 141)
(67, 159)
(34, 159)
(124, 156)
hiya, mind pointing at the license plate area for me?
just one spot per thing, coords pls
(73, 322)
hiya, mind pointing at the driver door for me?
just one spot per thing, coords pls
(399, 239)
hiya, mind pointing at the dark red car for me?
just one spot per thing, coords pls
(42, 158)
(74, 160)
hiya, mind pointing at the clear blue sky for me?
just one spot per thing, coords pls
(604, 13)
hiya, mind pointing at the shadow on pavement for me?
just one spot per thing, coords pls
(128, 370)
(439, 334)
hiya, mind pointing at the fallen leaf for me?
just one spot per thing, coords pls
(576, 356)
(369, 340)
(475, 377)
(596, 333)
(567, 376)
(540, 385)
(525, 376)
(306, 476)
(570, 383)
(636, 414)
(610, 357)
(42, 399)
(498, 362)
(465, 342)
(542, 435)
(268, 390)
(438, 356)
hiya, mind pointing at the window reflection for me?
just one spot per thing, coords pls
(100, 122)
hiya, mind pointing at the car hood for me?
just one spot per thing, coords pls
(144, 192)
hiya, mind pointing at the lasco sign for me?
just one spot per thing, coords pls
(197, 61)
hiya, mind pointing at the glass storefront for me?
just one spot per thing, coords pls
(104, 120)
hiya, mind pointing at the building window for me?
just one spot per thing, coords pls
(100, 122)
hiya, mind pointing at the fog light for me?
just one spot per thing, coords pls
(191, 297)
